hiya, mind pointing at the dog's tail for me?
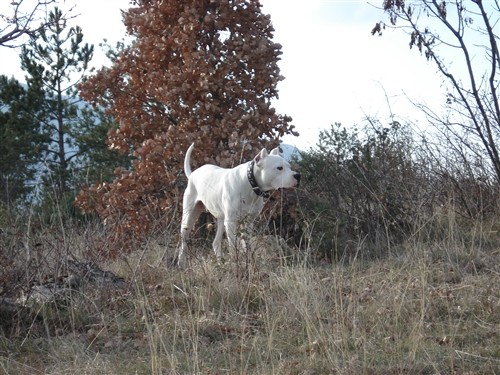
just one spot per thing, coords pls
(187, 161)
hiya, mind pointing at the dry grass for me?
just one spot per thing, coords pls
(430, 309)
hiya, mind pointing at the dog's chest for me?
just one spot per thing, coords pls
(251, 205)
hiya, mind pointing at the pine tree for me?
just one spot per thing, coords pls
(58, 59)
(21, 139)
(96, 161)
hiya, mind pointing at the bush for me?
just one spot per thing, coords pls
(361, 187)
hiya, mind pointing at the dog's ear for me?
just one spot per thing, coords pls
(276, 151)
(261, 155)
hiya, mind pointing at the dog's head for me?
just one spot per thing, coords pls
(273, 172)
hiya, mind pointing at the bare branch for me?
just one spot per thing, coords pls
(23, 18)
(474, 102)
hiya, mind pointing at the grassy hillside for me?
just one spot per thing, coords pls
(430, 308)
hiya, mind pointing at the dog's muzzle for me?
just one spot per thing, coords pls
(297, 177)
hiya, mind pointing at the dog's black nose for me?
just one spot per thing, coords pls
(297, 177)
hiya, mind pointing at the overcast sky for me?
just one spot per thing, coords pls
(335, 70)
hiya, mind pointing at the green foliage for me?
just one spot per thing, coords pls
(94, 163)
(56, 60)
(97, 161)
(361, 186)
(21, 140)
(47, 130)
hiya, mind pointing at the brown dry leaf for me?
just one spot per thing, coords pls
(197, 71)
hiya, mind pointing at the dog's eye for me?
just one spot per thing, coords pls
(280, 168)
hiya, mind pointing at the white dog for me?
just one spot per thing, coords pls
(233, 196)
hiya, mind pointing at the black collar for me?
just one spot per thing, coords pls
(253, 181)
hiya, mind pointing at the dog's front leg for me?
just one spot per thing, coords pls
(231, 233)
(239, 235)
(246, 235)
(217, 244)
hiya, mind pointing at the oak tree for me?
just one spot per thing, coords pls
(202, 71)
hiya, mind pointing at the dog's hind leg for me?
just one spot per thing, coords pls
(190, 214)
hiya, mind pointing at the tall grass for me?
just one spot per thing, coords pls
(432, 306)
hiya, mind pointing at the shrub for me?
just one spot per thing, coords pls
(360, 187)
